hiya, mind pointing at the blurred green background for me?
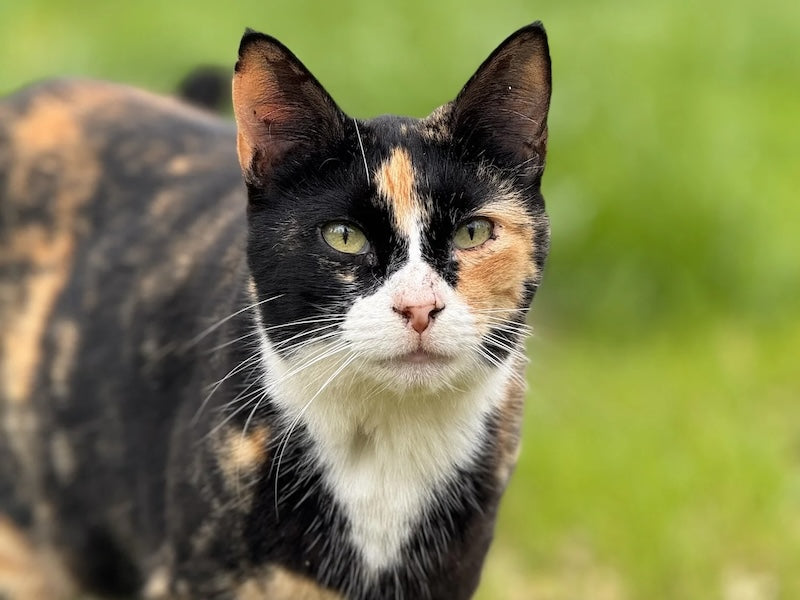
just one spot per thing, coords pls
(662, 441)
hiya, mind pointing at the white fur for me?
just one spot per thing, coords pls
(390, 433)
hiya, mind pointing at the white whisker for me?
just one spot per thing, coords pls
(321, 355)
(242, 365)
(304, 334)
(322, 319)
(496, 362)
(208, 330)
(233, 341)
(263, 392)
(510, 328)
(299, 416)
(363, 154)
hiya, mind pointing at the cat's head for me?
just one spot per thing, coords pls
(397, 250)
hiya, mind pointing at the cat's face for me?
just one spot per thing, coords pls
(404, 252)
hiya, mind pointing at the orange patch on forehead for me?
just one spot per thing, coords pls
(395, 181)
(493, 276)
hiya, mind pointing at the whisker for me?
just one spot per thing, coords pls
(238, 339)
(297, 419)
(233, 371)
(517, 317)
(304, 334)
(241, 396)
(325, 353)
(264, 393)
(257, 330)
(512, 319)
(512, 350)
(491, 358)
(328, 319)
(363, 154)
(243, 364)
(510, 329)
(295, 348)
(322, 354)
(208, 330)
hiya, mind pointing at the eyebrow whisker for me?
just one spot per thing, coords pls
(361, 145)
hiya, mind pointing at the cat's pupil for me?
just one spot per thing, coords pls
(471, 230)
(345, 234)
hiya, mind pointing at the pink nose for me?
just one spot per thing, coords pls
(419, 316)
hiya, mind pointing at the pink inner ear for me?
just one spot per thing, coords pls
(266, 124)
(260, 111)
(278, 105)
(272, 114)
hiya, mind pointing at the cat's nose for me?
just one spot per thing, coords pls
(419, 316)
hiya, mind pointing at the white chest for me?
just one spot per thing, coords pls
(386, 458)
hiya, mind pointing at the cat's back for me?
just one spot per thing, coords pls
(74, 152)
(101, 186)
(115, 205)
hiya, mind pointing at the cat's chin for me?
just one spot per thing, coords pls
(419, 369)
(421, 358)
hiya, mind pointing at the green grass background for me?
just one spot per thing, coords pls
(662, 440)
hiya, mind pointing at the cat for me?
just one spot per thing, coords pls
(309, 386)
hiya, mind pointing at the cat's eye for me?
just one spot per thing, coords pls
(344, 237)
(473, 233)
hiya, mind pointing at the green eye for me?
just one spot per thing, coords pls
(344, 237)
(473, 233)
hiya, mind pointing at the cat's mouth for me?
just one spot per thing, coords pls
(419, 357)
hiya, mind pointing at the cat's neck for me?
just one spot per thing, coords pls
(387, 456)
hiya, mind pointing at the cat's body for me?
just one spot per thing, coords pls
(196, 404)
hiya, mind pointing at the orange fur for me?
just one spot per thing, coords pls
(240, 454)
(26, 573)
(281, 584)
(395, 181)
(44, 141)
(493, 276)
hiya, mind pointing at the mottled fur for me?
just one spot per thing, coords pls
(157, 440)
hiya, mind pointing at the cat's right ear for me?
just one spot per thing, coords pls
(281, 109)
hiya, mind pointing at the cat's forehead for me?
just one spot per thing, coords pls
(395, 172)
(408, 165)
(391, 130)
(422, 139)
(419, 174)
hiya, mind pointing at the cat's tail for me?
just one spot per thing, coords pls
(207, 87)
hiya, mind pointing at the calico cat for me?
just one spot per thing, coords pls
(318, 397)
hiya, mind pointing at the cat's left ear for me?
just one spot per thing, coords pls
(282, 111)
(501, 112)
